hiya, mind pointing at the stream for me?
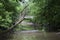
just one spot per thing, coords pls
(32, 35)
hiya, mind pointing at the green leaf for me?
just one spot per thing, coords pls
(0, 17)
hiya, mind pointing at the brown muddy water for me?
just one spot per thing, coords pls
(31, 36)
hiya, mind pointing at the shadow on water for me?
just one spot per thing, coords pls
(6, 36)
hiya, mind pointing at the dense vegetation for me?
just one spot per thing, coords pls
(9, 11)
(46, 13)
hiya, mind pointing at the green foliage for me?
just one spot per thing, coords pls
(44, 12)
(9, 10)
(47, 12)
(36, 9)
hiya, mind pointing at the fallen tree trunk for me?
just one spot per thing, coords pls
(17, 22)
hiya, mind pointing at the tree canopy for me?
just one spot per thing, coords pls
(46, 13)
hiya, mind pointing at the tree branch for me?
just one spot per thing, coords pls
(18, 22)
(20, 19)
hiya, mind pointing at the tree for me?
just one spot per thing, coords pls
(47, 13)
(10, 10)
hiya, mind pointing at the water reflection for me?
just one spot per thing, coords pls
(31, 36)
(36, 36)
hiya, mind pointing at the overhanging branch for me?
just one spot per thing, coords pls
(18, 22)
(20, 19)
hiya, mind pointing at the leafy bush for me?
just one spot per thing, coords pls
(9, 11)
